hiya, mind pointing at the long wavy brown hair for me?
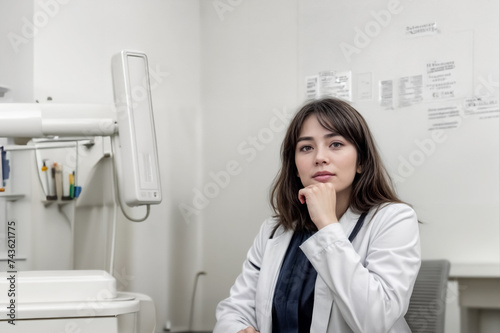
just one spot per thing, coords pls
(371, 188)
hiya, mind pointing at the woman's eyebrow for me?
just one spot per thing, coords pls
(331, 135)
(310, 138)
(305, 138)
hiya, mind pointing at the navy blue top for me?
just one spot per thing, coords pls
(294, 293)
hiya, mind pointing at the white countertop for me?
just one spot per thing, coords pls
(475, 270)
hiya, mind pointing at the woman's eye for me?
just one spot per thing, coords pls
(305, 148)
(336, 144)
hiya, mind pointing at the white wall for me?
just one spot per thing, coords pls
(249, 76)
(16, 63)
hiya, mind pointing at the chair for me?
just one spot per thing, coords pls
(426, 312)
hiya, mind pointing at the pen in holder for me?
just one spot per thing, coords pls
(48, 180)
(59, 181)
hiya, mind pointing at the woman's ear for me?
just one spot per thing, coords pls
(359, 169)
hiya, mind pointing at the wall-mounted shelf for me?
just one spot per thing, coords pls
(55, 143)
(11, 196)
(5, 258)
(59, 202)
(58, 179)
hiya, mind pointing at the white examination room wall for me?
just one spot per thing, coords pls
(18, 67)
(249, 91)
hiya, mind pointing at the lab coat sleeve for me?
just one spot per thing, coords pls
(237, 312)
(374, 293)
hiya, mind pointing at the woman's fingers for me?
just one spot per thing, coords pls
(321, 203)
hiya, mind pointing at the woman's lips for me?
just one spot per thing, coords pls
(323, 176)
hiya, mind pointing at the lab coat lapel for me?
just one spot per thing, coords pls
(323, 302)
(271, 265)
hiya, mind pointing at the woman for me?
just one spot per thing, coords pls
(342, 252)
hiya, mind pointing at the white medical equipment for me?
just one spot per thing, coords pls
(132, 126)
(83, 300)
(73, 301)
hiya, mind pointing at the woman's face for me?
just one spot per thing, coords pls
(323, 156)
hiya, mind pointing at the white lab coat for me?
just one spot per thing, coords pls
(361, 287)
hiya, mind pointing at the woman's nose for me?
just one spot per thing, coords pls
(321, 157)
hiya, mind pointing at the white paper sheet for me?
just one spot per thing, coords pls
(482, 107)
(410, 90)
(312, 87)
(386, 95)
(364, 86)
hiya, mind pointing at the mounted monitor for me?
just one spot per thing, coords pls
(138, 172)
